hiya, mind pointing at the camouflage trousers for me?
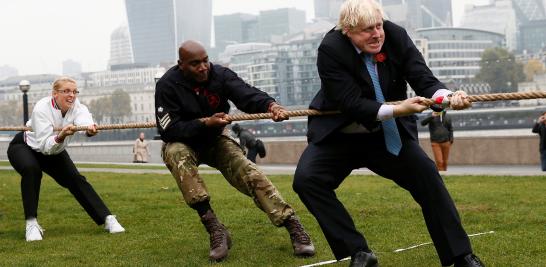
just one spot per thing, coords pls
(226, 156)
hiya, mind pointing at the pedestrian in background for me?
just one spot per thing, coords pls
(249, 143)
(140, 150)
(441, 137)
(540, 129)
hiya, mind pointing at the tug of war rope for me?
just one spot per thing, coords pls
(440, 101)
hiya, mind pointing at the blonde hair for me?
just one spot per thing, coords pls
(355, 13)
(63, 79)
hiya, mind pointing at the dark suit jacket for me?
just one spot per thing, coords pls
(347, 86)
(540, 128)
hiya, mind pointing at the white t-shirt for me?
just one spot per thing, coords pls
(46, 115)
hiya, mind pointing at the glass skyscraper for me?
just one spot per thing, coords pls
(158, 27)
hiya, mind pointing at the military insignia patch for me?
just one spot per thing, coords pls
(164, 120)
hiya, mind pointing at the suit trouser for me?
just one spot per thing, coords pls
(322, 168)
(60, 167)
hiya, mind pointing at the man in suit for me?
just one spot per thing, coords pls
(363, 63)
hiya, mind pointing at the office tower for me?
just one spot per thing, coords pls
(121, 52)
(234, 29)
(501, 18)
(157, 28)
(71, 67)
(416, 14)
(279, 22)
(531, 20)
(328, 9)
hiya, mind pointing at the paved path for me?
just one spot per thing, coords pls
(495, 170)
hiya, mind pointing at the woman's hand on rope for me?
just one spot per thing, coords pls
(216, 120)
(459, 100)
(66, 131)
(91, 130)
(410, 106)
(278, 112)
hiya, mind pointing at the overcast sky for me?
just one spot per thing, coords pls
(37, 35)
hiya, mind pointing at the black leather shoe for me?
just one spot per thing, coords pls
(364, 259)
(469, 260)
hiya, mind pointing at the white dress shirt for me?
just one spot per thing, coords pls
(385, 112)
(46, 115)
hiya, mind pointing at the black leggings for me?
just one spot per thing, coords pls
(30, 164)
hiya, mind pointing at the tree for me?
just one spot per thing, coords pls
(500, 70)
(121, 106)
(12, 113)
(532, 68)
(100, 108)
(111, 109)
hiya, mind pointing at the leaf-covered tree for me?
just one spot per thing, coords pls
(12, 113)
(111, 109)
(101, 108)
(532, 68)
(500, 70)
(121, 105)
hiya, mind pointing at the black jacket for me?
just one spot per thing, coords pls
(439, 127)
(347, 86)
(246, 139)
(179, 103)
(540, 129)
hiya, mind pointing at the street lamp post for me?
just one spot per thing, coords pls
(24, 86)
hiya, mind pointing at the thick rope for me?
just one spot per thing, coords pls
(298, 113)
(427, 102)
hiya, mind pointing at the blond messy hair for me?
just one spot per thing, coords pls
(61, 80)
(354, 13)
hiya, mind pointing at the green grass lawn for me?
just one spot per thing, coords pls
(163, 231)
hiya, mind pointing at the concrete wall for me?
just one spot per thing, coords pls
(477, 150)
(501, 150)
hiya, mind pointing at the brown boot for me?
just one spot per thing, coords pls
(220, 241)
(301, 242)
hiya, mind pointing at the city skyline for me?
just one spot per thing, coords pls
(37, 36)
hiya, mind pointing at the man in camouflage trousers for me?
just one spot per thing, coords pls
(191, 102)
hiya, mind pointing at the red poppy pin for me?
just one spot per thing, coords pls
(214, 100)
(380, 57)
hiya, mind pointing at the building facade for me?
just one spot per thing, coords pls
(280, 22)
(72, 67)
(455, 53)
(157, 28)
(328, 9)
(121, 51)
(501, 18)
(415, 14)
(234, 29)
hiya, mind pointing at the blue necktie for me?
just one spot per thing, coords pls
(390, 131)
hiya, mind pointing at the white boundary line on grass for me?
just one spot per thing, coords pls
(428, 243)
(395, 251)
(326, 262)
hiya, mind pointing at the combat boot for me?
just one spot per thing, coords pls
(301, 242)
(220, 241)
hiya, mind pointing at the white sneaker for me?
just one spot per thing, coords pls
(112, 225)
(34, 232)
